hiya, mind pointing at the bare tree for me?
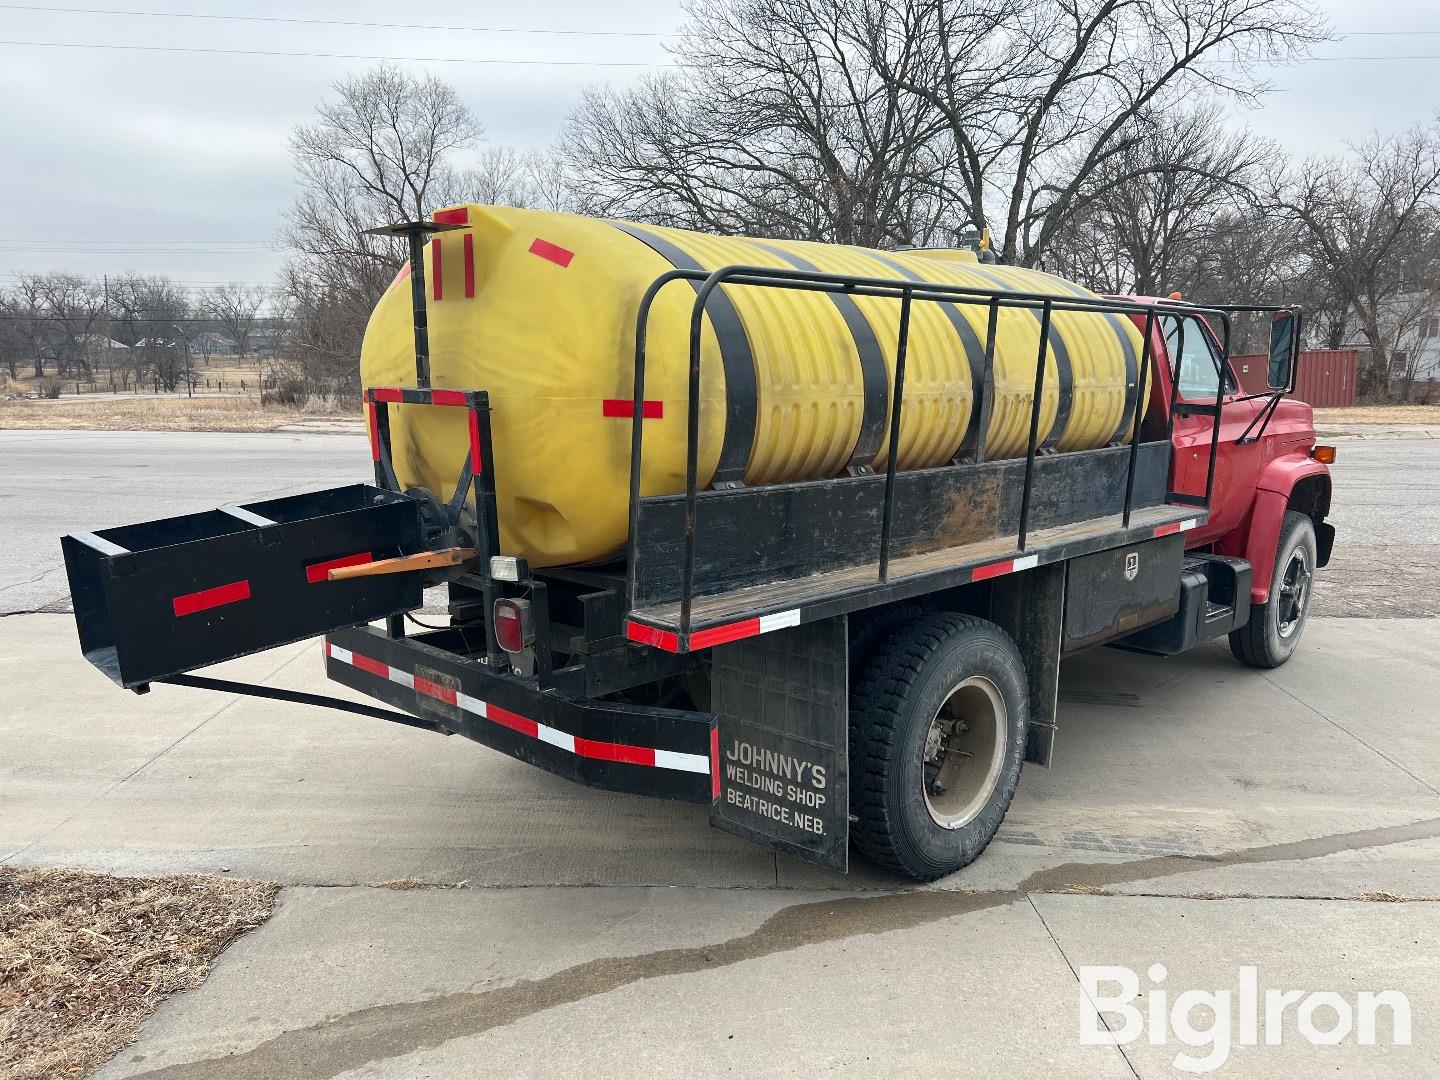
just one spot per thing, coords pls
(235, 308)
(148, 316)
(1370, 224)
(1167, 205)
(892, 121)
(14, 343)
(779, 124)
(1043, 99)
(503, 176)
(28, 305)
(381, 150)
(75, 310)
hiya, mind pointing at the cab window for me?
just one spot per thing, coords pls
(1200, 369)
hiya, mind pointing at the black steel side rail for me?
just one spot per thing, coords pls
(717, 629)
(906, 292)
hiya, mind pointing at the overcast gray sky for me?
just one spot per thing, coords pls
(176, 162)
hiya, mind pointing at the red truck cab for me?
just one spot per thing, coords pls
(1271, 492)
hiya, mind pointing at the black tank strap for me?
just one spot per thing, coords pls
(974, 351)
(736, 356)
(874, 378)
(1064, 370)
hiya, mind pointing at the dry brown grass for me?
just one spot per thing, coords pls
(84, 958)
(228, 369)
(1380, 414)
(156, 414)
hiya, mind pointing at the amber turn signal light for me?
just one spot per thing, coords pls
(1323, 454)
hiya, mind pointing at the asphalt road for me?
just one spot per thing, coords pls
(1200, 815)
(57, 482)
(1386, 515)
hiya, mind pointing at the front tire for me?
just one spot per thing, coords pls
(1274, 629)
(938, 722)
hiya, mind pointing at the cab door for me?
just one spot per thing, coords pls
(1201, 371)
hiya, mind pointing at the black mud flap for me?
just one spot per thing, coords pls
(1030, 606)
(164, 597)
(781, 706)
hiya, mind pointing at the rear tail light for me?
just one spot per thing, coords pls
(514, 625)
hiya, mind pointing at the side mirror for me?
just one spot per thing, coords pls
(1282, 350)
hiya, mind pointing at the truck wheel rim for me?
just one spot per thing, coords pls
(964, 752)
(1294, 594)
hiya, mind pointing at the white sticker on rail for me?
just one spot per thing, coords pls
(779, 620)
(1025, 562)
(555, 737)
(671, 759)
(1188, 524)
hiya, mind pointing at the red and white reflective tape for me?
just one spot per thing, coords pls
(1176, 527)
(595, 749)
(206, 599)
(714, 635)
(669, 641)
(1003, 567)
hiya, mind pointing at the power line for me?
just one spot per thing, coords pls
(292, 21)
(196, 284)
(127, 243)
(79, 250)
(1322, 59)
(526, 63)
(334, 22)
(337, 56)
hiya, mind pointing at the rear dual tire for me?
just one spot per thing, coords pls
(939, 718)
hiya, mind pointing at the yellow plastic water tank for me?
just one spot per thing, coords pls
(539, 308)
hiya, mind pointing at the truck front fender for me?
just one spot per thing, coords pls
(1293, 478)
(1283, 475)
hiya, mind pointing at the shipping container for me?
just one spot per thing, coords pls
(1325, 378)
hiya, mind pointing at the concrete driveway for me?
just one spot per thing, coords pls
(1200, 816)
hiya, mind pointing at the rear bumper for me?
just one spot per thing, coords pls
(665, 753)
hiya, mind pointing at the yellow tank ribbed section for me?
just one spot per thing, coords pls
(808, 379)
(1093, 343)
(549, 332)
(938, 395)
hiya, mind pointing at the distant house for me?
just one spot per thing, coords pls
(212, 344)
(266, 341)
(1427, 349)
(99, 344)
(84, 348)
(1411, 331)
